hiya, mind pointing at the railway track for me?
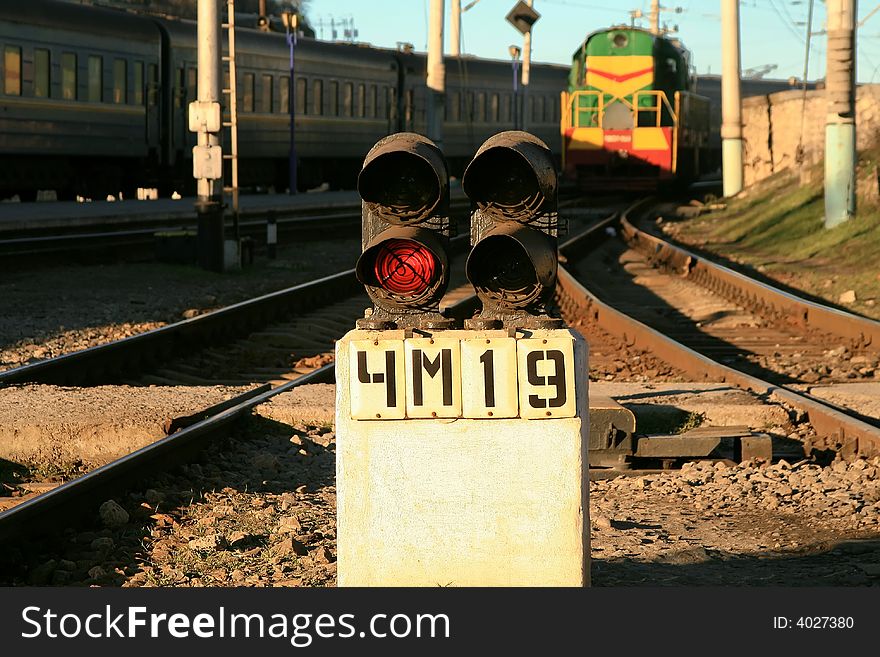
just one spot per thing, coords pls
(138, 234)
(661, 315)
(615, 336)
(270, 344)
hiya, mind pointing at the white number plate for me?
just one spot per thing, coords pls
(488, 377)
(377, 380)
(468, 377)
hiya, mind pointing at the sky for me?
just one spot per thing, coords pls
(772, 32)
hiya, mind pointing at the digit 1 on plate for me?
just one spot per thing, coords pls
(488, 377)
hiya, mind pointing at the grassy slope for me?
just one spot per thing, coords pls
(777, 228)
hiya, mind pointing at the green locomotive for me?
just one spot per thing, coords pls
(630, 117)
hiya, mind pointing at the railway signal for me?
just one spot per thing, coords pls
(512, 184)
(404, 184)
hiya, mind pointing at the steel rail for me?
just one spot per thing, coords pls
(54, 510)
(110, 362)
(854, 436)
(740, 288)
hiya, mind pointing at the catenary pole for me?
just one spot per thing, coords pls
(655, 16)
(731, 107)
(455, 36)
(209, 204)
(436, 73)
(840, 120)
(527, 61)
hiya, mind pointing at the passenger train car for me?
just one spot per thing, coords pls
(94, 101)
(630, 117)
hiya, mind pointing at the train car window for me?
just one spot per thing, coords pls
(120, 80)
(391, 103)
(192, 83)
(68, 76)
(538, 115)
(42, 72)
(505, 108)
(138, 83)
(266, 90)
(549, 109)
(247, 103)
(372, 101)
(494, 109)
(153, 85)
(467, 106)
(333, 99)
(301, 99)
(453, 110)
(481, 106)
(96, 79)
(317, 97)
(284, 93)
(408, 107)
(179, 88)
(347, 94)
(361, 101)
(530, 108)
(12, 68)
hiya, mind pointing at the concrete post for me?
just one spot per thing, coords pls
(436, 73)
(209, 205)
(840, 123)
(527, 61)
(455, 36)
(731, 107)
(457, 501)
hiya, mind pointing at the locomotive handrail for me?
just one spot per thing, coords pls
(574, 110)
(574, 115)
(660, 101)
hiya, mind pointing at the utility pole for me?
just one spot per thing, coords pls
(840, 121)
(436, 73)
(731, 108)
(527, 61)
(208, 155)
(655, 16)
(455, 37)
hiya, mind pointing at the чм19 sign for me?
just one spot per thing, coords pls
(453, 377)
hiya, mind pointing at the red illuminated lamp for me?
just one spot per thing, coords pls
(405, 267)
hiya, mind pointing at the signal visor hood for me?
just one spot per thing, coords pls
(404, 179)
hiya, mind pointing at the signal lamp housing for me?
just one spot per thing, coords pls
(512, 185)
(404, 185)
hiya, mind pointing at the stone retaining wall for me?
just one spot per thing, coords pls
(773, 129)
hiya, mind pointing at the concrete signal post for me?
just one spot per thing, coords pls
(438, 482)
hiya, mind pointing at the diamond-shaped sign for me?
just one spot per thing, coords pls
(522, 17)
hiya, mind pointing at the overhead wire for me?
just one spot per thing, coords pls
(787, 23)
(799, 151)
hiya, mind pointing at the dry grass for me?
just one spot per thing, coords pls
(777, 228)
